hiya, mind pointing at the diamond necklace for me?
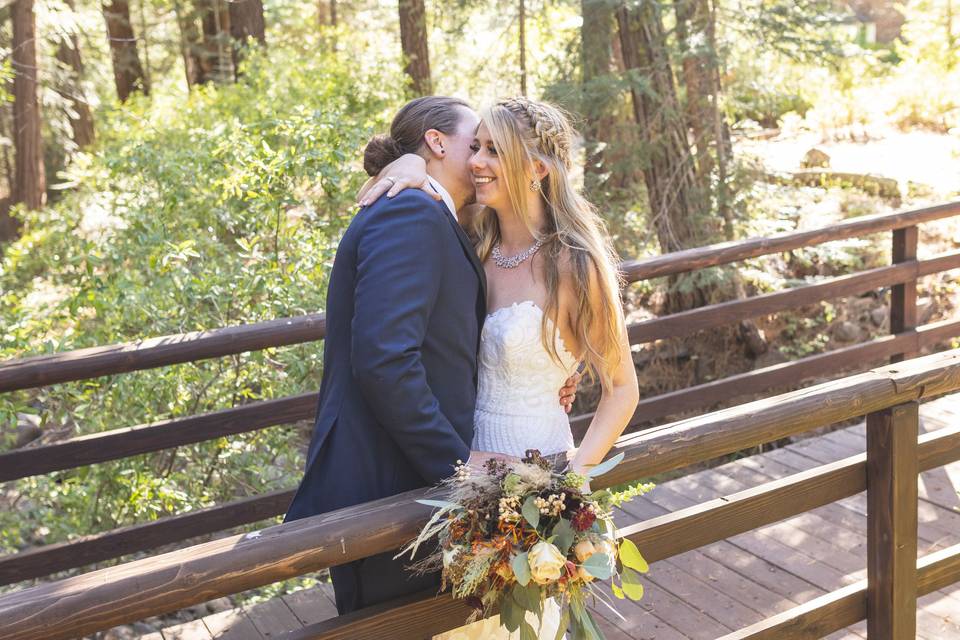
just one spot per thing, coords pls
(514, 261)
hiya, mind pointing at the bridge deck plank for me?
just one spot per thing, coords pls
(232, 624)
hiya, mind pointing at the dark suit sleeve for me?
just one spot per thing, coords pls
(399, 268)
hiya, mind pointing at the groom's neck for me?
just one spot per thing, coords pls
(436, 171)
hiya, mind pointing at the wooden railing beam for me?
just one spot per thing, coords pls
(726, 252)
(130, 441)
(892, 468)
(847, 606)
(82, 364)
(42, 561)
(903, 295)
(103, 598)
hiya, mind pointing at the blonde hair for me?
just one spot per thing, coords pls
(523, 131)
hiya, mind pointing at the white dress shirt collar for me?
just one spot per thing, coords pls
(447, 199)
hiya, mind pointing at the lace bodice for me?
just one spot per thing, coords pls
(517, 403)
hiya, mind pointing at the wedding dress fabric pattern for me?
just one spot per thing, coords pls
(518, 409)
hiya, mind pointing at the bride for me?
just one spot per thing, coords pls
(552, 297)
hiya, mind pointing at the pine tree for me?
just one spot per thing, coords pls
(30, 186)
(413, 41)
(127, 71)
(81, 120)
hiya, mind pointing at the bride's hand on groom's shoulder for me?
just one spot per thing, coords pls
(407, 171)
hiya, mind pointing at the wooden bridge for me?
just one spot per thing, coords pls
(781, 545)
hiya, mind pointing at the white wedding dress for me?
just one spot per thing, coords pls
(518, 409)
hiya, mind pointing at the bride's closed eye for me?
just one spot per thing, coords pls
(475, 147)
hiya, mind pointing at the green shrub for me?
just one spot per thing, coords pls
(191, 213)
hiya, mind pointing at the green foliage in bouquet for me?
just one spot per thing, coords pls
(519, 533)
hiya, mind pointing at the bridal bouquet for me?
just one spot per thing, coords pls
(519, 533)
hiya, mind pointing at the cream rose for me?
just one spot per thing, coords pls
(584, 549)
(545, 562)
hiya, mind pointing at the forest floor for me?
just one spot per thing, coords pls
(926, 166)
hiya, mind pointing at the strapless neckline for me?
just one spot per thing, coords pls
(514, 306)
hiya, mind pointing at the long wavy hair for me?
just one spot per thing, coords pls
(574, 234)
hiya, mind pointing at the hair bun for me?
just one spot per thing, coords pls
(380, 151)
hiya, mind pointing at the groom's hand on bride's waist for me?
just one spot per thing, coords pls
(479, 458)
(568, 392)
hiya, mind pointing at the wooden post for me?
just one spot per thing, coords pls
(892, 470)
(903, 297)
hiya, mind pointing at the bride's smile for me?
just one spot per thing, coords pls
(486, 169)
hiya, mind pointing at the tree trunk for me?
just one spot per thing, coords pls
(721, 130)
(30, 187)
(146, 44)
(679, 209)
(216, 46)
(523, 47)
(127, 71)
(697, 64)
(191, 44)
(413, 41)
(246, 21)
(81, 120)
(696, 28)
(598, 92)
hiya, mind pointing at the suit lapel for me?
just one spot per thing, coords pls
(472, 257)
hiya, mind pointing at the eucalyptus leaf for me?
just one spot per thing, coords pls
(528, 597)
(590, 626)
(563, 535)
(531, 512)
(605, 466)
(511, 615)
(631, 557)
(521, 568)
(564, 623)
(617, 591)
(527, 632)
(632, 585)
(598, 565)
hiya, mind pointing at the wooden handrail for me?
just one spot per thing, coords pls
(100, 599)
(726, 252)
(685, 323)
(42, 561)
(119, 443)
(81, 364)
(130, 441)
(841, 608)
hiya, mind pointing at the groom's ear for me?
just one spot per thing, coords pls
(436, 142)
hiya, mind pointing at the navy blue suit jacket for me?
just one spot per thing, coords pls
(405, 306)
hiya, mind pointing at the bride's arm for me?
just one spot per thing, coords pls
(409, 170)
(618, 401)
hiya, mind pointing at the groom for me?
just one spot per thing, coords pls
(405, 305)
